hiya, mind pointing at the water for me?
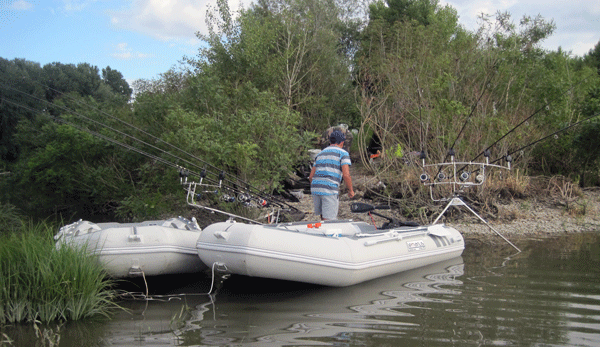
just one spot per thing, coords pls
(548, 295)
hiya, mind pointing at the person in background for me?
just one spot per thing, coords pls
(331, 165)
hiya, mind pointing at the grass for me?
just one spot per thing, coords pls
(10, 219)
(40, 283)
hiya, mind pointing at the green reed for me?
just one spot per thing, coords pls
(41, 283)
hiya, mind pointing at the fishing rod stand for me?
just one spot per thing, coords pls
(457, 201)
(195, 189)
(191, 193)
(463, 175)
(183, 179)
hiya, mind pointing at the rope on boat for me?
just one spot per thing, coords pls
(169, 297)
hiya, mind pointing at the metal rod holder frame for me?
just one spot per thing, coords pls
(459, 181)
(457, 201)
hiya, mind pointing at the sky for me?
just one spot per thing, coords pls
(144, 38)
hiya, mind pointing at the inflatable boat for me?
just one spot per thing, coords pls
(148, 248)
(331, 253)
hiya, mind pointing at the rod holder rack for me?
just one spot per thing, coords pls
(195, 189)
(457, 174)
(461, 176)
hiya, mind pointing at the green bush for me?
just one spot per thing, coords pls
(253, 136)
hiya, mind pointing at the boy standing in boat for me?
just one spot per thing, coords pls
(331, 166)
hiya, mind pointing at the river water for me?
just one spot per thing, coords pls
(547, 295)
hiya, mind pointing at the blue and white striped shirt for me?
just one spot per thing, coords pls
(328, 170)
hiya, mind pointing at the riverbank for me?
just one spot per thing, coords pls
(533, 219)
(535, 216)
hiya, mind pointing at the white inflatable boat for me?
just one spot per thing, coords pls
(134, 249)
(332, 253)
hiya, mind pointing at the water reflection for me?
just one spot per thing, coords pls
(289, 313)
(547, 295)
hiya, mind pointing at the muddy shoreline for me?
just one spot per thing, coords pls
(516, 219)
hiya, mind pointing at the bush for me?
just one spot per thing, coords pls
(258, 142)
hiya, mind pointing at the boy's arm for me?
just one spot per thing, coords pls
(348, 180)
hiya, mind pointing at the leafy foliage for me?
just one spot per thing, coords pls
(289, 48)
(57, 169)
(251, 134)
(10, 218)
(15, 85)
(273, 74)
(592, 58)
(586, 142)
(427, 85)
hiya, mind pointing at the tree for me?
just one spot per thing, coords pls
(292, 48)
(114, 79)
(435, 87)
(592, 58)
(57, 168)
(21, 96)
(252, 136)
(420, 11)
(585, 141)
(83, 78)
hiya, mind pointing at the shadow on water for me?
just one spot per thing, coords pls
(547, 295)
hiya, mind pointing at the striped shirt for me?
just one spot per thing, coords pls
(328, 171)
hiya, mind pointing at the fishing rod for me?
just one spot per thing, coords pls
(106, 138)
(420, 112)
(183, 172)
(249, 188)
(244, 196)
(467, 120)
(243, 191)
(508, 157)
(550, 135)
(451, 152)
(535, 113)
(460, 176)
(66, 109)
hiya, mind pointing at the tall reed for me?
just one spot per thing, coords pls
(41, 283)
